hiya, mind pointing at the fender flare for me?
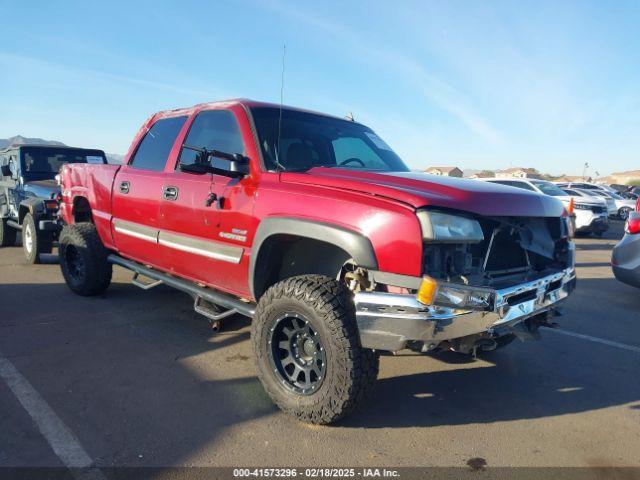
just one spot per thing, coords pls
(355, 244)
(34, 206)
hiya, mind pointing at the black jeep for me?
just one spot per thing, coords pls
(28, 193)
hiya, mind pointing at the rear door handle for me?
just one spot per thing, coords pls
(124, 187)
(170, 193)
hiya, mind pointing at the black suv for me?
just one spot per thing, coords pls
(28, 193)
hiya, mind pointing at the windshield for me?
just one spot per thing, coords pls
(310, 140)
(550, 189)
(41, 163)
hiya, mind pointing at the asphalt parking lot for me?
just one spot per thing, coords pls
(137, 378)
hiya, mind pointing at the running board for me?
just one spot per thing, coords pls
(224, 300)
(15, 225)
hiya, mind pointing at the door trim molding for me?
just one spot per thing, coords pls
(136, 230)
(184, 243)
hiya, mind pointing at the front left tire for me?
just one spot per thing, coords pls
(34, 242)
(308, 351)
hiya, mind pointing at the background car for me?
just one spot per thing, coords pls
(612, 209)
(590, 212)
(28, 193)
(623, 205)
(585, 186)
(625, 259)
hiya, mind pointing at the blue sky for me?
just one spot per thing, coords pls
(477, 84)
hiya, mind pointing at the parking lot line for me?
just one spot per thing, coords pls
(62, 441)
(589, 338)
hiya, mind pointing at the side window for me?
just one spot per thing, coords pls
(510, 183)
(524, 186)
(354, 152)
(213, 130)
(154, 149)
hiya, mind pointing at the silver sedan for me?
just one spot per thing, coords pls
(625, 260)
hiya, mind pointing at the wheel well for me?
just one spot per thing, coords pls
(284, 256)
(22, 212)
(82, 210)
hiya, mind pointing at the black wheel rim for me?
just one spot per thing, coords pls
(296, 354)
(74, 262)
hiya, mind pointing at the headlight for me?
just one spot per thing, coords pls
(462, 297)
(442, 227)
(579, 206)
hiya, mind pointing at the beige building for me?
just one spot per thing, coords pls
(445, 171)
(518, 172)
(623, 178)
(573, 178)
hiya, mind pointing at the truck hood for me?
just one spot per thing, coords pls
(42, 188)
(419, 189)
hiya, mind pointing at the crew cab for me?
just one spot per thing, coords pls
(312, 226)
(28, 193)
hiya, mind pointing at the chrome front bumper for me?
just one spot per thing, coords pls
(388, 321)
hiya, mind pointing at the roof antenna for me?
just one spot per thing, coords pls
(278, 164)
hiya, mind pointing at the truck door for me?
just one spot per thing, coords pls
(205, 219)
(137, 193)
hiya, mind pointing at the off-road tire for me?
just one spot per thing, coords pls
(351, 370)
(41, 242)
(7, 234)
(83, 259)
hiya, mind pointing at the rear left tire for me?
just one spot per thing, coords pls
(83, 259)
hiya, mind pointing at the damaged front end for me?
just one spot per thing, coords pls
(484, 279)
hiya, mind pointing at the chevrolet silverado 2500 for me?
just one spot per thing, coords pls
(312, 226)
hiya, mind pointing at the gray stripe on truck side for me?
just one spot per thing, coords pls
(205, 248)
(210, 249)
(136, 230)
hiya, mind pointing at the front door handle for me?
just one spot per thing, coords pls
(124, 187)
(170, 193)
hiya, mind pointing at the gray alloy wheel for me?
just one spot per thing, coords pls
(623, 213)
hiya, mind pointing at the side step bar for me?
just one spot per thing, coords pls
(218, 298)
(14, 224)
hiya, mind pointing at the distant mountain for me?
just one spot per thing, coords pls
(20, 140)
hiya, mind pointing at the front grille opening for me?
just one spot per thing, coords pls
(522, 297)
(500, 259)
(554, 286)
(505, 255)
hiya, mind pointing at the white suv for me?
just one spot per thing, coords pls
(591, 212)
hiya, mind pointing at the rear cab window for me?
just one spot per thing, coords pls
(153, 151)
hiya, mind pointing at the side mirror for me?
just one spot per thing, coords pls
(234, 166)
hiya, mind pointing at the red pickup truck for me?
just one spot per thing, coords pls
(312, 226)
